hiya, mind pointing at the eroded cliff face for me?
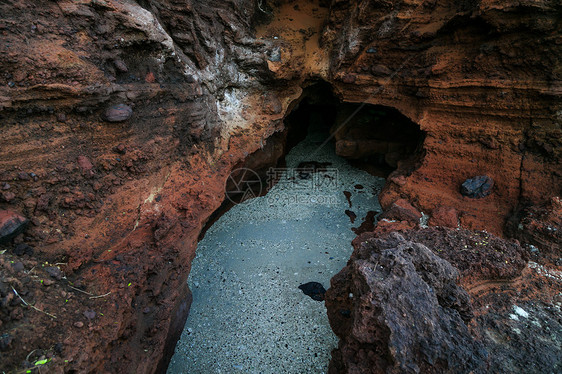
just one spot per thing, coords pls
(116, 207)
(469, 74)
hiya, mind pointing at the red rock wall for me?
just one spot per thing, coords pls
(119, 206)
(471, 75)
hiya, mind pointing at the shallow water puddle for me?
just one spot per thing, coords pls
(248, 314)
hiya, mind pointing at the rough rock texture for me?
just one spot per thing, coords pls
(402, 210)
(469, 74)
(11, 224)
(511, 313)
(118, 206)
(396, 308)
(444, 216)
(540, 227)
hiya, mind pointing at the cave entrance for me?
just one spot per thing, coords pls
(375, 138)
(249, 313)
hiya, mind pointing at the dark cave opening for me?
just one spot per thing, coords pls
(375, 138)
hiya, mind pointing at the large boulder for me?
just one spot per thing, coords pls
(396, 308)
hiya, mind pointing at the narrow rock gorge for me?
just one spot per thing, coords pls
(123, 122)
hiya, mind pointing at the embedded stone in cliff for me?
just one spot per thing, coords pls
(477, 187)
(396, 308)
(313, 289)
(120, 66)
(118, 113)
(11, 224)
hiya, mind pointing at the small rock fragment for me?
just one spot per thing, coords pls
(79, 324)
(121, 149)
(54, 272)
(23, 249)
(313, 289)
(5, 341)
(18, 266)
(120, 66)
(150, 78)
(444, 216)
(11, 224)
(7, 196)
(477, 187)
(90, 314)
(118, 113)
(85, 164)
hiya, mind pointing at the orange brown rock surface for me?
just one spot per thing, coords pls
(117, 207)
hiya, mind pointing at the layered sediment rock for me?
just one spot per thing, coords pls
(470, 76)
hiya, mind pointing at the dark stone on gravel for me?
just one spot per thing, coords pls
(477, 187)
(90, 314)
(5, 341)
(313, 289)
(58, 347)
(118, 113)
(18, 266)
(54, 272)
(11, 224)
(23, 249)
(407, 313)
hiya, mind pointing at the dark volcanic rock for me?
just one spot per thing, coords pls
(396, 308)
(54, 272)
(11, 224)
(23, 249)
(314, 289)
(118, 113)
(476, 254)
(5, 341)
(477, 187)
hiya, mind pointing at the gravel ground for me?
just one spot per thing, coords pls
(248, 315)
